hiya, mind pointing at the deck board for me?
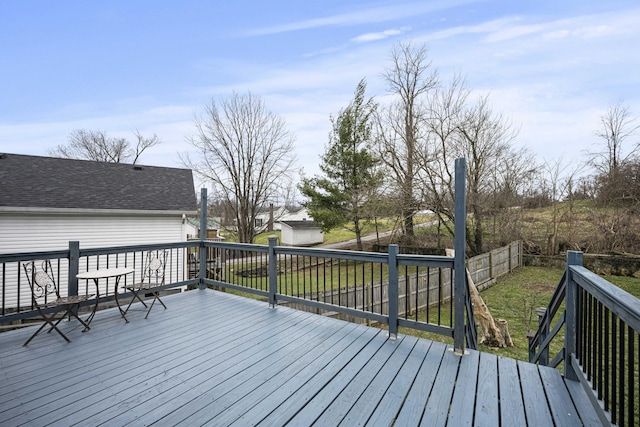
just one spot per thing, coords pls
(511, 401)
(460, 413)
(487, 412)
(533, 395)
(213, 358)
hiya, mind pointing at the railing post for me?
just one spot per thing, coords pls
(74, 260)
(459, 264)
(393, 291)
(203, 236)
(273, 271)
(544, 330)
(573, 259)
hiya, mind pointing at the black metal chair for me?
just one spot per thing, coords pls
(46, 298)
(152, 280)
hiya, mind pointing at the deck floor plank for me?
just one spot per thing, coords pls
(416, 400)
(533, 396)
(437, 409)
(487, 407)
(460, 413)
(310, 413)
(358, 414)
(223, 395)
(511, 401)
(70, 372)
(298, 398)
(215, 358)
(212, 381)
(563, 411)
(587, 412)
(387, 410)
(277, 389)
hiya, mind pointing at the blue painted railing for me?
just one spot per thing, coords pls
(601, 346)
(397, 290)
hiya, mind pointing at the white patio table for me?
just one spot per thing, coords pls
(106, 273)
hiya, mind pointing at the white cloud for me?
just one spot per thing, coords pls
(363, 16)
(368, 37)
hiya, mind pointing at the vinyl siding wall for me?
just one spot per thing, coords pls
(47, 231)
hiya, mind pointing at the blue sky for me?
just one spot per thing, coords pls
(552, 67)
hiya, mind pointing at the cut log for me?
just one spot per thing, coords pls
(490, 334)
(504, 330)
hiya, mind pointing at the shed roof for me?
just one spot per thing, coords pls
(301, 224)
(55, 183)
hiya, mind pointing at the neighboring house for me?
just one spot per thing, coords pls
(301, 233)
(213, 228)
(280, 215)
(45, 202)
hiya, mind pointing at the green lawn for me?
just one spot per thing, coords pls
(515, 297)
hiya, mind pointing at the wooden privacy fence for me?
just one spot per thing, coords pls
(423, 289)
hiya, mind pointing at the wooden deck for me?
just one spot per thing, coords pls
(216, 359)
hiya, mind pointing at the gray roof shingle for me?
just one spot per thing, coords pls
(301, 224)
(47, 182)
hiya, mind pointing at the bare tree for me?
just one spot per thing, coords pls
(618, 162)
(246, 152)
(617, 126)
(559, 179)
(494, 170)
(410, 78)
(98, 146)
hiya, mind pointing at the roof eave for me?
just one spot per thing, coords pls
(102, 212)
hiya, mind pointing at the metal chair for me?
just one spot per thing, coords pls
(152, 280)
(46, 298)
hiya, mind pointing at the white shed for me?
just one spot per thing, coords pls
(301, 233)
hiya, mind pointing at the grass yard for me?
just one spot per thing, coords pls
(515, 297)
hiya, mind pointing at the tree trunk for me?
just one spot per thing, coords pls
(490, 334)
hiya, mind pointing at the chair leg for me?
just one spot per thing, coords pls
(71, 312)
(156, 296)
(48, 321)
(135, 296)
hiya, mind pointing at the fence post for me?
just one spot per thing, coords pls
(573, 259)
(393, 291)
(203, 236)
(74, 260)
(459, 265)
(273, 271)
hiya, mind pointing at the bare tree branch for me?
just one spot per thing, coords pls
(246, 152)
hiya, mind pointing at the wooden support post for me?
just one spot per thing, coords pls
(459, 264)
(573, 259)
(203, 237)
(273, 271)
(393, 291)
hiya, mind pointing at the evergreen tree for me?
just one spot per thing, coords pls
(350, 176)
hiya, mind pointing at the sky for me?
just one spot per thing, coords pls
(551, 67)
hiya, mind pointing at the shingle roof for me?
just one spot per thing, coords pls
(301, 224)
(47, 182)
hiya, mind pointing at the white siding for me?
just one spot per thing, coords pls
(301, 237)
(29, 232)
(44, 232)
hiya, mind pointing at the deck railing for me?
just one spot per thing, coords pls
(358, 284)
(362, 285)
(15, 299)
(601, 346)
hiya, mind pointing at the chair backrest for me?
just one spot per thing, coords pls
(41, 280)
(154, 267)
